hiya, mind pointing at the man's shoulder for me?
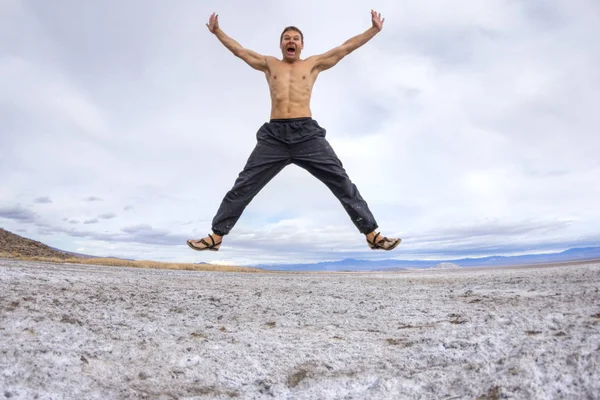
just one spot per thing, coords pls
(273, 60)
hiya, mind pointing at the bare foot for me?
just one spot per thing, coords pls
(378, 242)
(212, 242)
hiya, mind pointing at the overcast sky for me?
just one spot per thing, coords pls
(469, 127)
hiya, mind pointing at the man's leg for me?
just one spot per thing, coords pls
(319, 159)
(266, 161)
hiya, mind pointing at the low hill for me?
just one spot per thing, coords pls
(17, 247)
(14, 245)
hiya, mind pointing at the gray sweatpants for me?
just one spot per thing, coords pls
(281, 142)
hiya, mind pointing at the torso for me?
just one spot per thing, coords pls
(291, 86)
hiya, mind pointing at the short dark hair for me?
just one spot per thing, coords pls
(292, 28)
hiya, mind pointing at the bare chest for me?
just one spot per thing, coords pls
(298, 75)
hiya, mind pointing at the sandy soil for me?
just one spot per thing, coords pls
(75, 331)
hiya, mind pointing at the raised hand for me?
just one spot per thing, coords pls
(213, 23)
(377, 20)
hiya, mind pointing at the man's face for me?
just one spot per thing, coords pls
(291, 45)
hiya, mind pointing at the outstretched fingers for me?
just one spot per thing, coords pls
(213, 22)
(377, 20)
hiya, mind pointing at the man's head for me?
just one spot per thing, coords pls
(291, 43)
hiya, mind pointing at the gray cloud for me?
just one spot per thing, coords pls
(53, 230)
(146, 234)
(42, 200)
(142, 234)
(92, 199)
(91, 221)
(107, 215)
(496, 230)
(18, 213)
(137, 228)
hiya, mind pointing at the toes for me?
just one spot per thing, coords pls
(192, 244)
(385, 244)
(392, 243)
(196, 244)
(202, 244)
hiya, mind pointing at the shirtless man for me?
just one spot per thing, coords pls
(292, 136)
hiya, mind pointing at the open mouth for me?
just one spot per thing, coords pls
(291, 51)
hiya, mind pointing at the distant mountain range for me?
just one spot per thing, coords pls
(571, 255)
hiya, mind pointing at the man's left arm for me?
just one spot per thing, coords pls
(332, 57)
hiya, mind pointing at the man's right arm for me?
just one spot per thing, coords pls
(252, 58)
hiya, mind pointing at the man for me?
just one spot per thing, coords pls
(292, 136)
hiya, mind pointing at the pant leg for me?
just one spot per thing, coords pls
(318, 158)
(266, 160)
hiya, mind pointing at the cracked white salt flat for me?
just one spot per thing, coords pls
(73, 331)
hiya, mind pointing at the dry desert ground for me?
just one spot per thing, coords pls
(93, 332)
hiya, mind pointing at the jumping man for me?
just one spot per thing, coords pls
(292, 136)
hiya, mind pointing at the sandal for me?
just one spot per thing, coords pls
(384, 243)
(212, 247)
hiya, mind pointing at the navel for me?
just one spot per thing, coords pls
(304, 77)
(274, 76)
